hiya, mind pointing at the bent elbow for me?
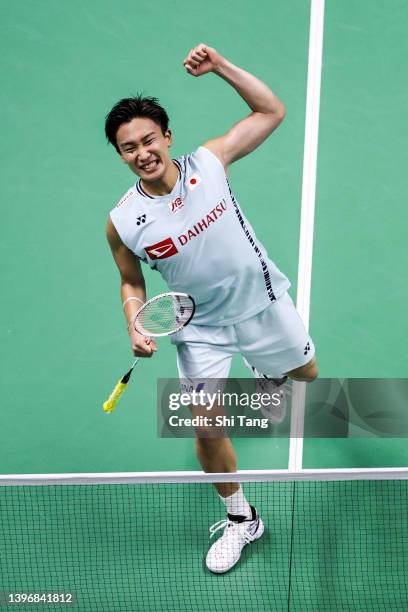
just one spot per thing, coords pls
(277, 116)
(280, 113)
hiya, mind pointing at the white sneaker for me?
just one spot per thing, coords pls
(275, 412)
(226, 551)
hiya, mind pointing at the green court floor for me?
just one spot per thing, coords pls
(64, 343)
(63, 338)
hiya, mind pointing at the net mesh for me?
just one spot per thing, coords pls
(327, 546)
(167, 314)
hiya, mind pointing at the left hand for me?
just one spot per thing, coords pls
(202, 59)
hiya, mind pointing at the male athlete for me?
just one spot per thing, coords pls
(183, 220)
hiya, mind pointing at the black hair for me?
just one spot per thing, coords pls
(129, 108)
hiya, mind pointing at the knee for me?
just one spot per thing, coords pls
(312, 374)
(306, 373)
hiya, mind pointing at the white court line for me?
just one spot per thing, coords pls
(314, 71)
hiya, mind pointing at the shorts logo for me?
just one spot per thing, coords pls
(140, 219)
(176, 204)
(162, 250)
(306, 349)
(193, 181)
(189, 388)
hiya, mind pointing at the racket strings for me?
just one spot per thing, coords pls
(165, 315)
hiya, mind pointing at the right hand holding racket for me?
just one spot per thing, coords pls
(141, 345)
(163, 315)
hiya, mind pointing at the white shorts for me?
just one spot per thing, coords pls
(274, 341)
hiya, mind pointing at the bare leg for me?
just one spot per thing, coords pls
(218, 455)
(306, 373)
(214, 450)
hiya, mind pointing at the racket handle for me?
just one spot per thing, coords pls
(114, 397)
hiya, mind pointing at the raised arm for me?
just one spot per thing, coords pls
(267, 110)
(132, 285)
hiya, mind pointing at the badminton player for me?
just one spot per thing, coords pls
(182, 219)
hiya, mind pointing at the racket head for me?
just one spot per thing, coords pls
(164, 314)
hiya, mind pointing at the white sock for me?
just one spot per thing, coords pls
(237, 504)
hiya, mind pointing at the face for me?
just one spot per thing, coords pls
(144, 148)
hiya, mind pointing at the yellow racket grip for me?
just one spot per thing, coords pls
(114, 397)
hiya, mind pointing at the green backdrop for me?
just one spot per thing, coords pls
(63, 339)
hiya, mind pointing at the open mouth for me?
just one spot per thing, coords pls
(150, 166)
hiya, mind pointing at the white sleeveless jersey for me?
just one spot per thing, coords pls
(199, 240)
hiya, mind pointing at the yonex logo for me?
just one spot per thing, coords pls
(140, 219)
(162, 250)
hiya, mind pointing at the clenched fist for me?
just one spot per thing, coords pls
(202, 59)
(141, 346)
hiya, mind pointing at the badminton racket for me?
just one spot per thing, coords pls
(162, 315)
